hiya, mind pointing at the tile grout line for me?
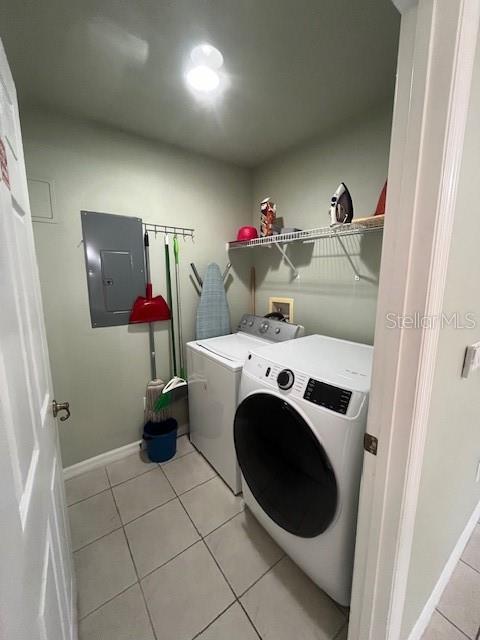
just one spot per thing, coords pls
(191, 488)
(452, 623)
(147, 610)
(226, 521)
(97, 539)
(469, 565)
(197, 541)
(162, 504)
(126, 524)
(73, 504)
(214, 620)
(160, 566)
(84, 546)
(219, 568)
(122, 526)
(138, 475)
(157, 465)
(142, 473)
(236, 599)
(81, 618)
(135, 569)
(284, 555)
(175, 457)
(202, 538)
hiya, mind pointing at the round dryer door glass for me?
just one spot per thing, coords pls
(286, 468)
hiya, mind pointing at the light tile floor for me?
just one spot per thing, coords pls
(166, 552)
(457, 616)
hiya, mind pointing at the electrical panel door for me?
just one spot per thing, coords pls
(114, 261)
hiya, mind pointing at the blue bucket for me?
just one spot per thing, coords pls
(161, 439)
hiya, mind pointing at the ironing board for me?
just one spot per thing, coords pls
(213, 316)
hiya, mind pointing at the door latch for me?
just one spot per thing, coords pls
(61, 406)
(370, 444)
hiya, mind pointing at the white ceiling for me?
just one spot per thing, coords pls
(296, 67)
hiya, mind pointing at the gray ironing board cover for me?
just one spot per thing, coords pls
(213, 316)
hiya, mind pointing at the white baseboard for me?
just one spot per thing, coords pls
(100, 461)
(445, 576)
(108, 457)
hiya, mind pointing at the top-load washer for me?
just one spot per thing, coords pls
(298, 431)
(214, 368)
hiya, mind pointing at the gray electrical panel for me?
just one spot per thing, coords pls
(114, 261)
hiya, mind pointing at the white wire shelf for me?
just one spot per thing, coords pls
(359, 226)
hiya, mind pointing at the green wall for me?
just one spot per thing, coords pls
(327, 298)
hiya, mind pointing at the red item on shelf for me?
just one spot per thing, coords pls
(247, 233)
(380, 210)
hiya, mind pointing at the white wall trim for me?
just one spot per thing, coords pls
(462, 69)
(109, 456)
(438, 42)
(100, 460)
(445, 576)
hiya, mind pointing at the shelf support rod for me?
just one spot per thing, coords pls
(347, 255)
(287, 259)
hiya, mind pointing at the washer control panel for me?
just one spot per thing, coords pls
(269, 328)
(333, 398)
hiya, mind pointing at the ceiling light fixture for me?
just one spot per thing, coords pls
(203, 79)
(203, 75)
(208, 55)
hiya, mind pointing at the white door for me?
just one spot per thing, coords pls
(37, 594)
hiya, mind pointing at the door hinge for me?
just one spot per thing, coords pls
(370, 444)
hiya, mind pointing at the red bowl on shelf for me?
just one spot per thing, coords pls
(247, 233)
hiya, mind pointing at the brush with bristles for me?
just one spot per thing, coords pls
(152, 396)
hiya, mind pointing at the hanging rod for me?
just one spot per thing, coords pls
(166, 229)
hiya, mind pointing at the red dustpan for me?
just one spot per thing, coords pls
(149, 308)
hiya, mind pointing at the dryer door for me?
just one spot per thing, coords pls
(284, 465)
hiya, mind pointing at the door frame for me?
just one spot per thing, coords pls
(438, 40)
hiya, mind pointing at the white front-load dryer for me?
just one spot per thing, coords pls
(298, 431)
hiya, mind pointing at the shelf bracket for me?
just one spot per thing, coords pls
(349, 258)
(287, 260)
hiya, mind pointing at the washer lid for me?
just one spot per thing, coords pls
(338, 362)
(234, 347)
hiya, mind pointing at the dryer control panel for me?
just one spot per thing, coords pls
(298, 386)
(328, 396)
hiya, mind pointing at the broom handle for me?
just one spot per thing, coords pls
(146, 244)
(179, 309)
(151, 335)
(169, 296)
(153, 364)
